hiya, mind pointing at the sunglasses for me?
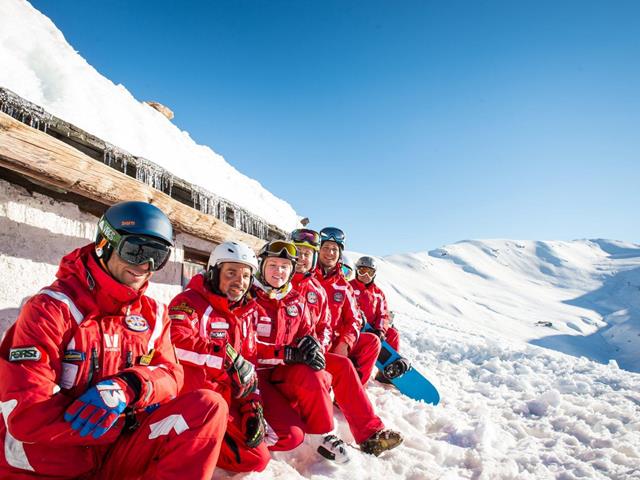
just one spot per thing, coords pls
(280, 248)
(332, 233)
(306, 236)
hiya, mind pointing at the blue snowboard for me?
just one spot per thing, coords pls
(411, 383)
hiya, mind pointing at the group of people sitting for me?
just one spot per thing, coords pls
(98, 380)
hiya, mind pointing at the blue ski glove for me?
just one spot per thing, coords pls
(98, 409)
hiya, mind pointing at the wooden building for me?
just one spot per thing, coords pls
(55, 182)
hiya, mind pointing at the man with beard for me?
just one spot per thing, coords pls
(214, 313)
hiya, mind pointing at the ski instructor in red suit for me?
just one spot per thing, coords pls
(89, 380)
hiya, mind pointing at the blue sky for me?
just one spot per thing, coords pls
(409, 124)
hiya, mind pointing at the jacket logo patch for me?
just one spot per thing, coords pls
(357, 292)
(292, 311)
(312, 297)
(338, 297)
(183, 307)
(73, 356)
(222, 325)
(23, 354)
(217, 334)
(136, 323)
(111, 342)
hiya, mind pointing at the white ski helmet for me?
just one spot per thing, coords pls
(233, 252)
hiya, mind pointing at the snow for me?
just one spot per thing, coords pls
(533, 345)
(39, 65)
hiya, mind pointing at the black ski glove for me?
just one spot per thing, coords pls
(244, 379)
(307, 351)
(253, 424)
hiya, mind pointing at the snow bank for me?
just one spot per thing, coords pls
(39, 65)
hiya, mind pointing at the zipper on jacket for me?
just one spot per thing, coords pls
(129, 362)
(95, 364)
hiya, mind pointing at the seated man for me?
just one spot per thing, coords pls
(346, 319)
(213, 313)
(90, 381)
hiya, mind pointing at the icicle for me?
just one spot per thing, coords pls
(23, 110)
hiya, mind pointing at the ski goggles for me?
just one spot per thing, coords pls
(332, 234)
(136, 249)
(280, 248)
(306, 236)
(368, 271)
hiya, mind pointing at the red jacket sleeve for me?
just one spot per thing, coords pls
(350, 325)
(32, 403)
(382, 312)
(323, 329)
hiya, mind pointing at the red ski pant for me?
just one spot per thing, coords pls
(364, 355)
(352, 398)
(308, 393)
(235, 455)
(281, 417)
(393, 338)
(181, 439)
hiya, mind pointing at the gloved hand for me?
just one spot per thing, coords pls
(244, 380)
(378, 333)
(253, 424)
(308, 351)
(97, 409)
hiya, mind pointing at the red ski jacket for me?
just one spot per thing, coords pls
(202, 323)
(83, 328)
(285, 321)
(373, 304)
(317, 304)
(346, 321)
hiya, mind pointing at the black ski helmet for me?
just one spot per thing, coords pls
(132, 218)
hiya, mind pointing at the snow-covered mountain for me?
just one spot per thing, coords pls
(38, 64)
(580, 297)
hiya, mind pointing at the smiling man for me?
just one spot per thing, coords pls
(346, 320)
(90, 381)
(213, 313)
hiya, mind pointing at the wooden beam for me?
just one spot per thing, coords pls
(46, 160)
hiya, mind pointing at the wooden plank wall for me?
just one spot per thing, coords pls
(49, 161)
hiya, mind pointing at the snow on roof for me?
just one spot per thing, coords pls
(39, 65)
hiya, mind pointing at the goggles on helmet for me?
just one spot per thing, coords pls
(332, 234)
(306, 237)
(280, 248)
(136, 249)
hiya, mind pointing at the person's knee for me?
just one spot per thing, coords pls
(204, 404)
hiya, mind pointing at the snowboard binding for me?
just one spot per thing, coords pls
(397, 368)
